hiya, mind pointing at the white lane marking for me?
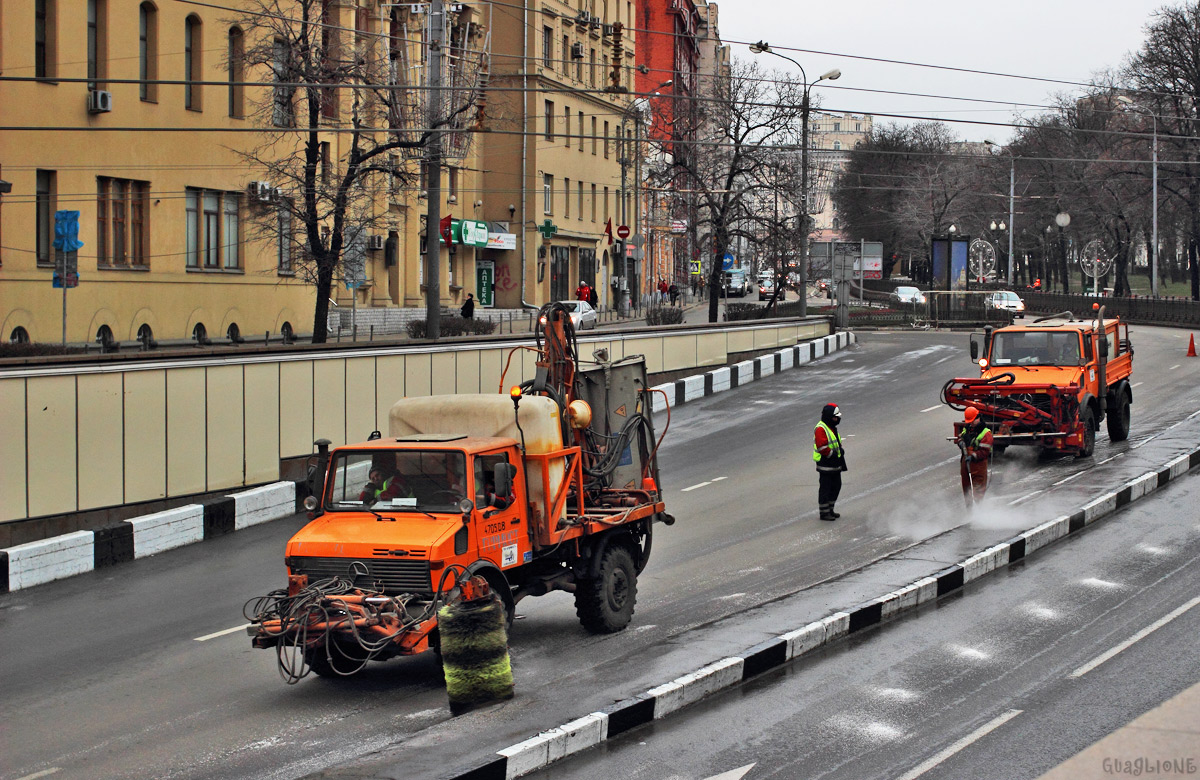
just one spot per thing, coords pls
(43, 773)
(693, 487)
(216, 634)
(718, 479)
(965, 742)
(1025, 498)
(1137, 384)
(930, 409)
(1177, 365)
(1145, 632)
(1065, 480)
(1106, 460)
(733, 774)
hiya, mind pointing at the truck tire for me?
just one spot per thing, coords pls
(605, 604)
(1118, 418)
(1089, 433)
(342, 660)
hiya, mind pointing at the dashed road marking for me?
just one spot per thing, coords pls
(1145, 632)
(1065, 480)
(1025, 498)
(216, 634)
(718, 479)
(930, 409)
(693, 487)
(1172, 368)
(1137, 384)
(43, 773)
(960, 745)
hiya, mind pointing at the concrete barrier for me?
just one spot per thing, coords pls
(167, 530)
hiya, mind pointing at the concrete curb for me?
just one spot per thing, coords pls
(658, 702)
(58, 557)
(691, 388)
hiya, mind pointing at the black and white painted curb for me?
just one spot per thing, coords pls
(725, 378)
(35, 563)
(660, 701)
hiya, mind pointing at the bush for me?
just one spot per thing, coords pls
(13, 350)
(453, 326)
(743, 311)
(664, 315)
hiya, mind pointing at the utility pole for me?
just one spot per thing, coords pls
(433, 175)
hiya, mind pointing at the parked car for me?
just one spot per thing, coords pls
(766, 288)
(826, 287)
(735, 283)
(583, 316)
(907, 295)
(1008, 300)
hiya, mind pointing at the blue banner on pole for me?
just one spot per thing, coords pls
(66, 231)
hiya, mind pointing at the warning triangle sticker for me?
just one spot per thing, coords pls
(620, 410)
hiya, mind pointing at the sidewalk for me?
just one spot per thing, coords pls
(1165, 742)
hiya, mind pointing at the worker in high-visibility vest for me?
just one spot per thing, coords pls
(975, 443)
(830, 457)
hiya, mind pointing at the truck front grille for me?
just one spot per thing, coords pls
(392, 577)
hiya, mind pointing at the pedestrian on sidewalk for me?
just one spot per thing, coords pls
(975, 443)
(830, 458)
(468, 307)
(673, 291)
(593, 297)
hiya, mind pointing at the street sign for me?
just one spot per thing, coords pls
(638, 240)
(548, 229)
(727, 262)
(485, 282)
(679, 226)
(622, 231)
(473, 233)
(694, 267)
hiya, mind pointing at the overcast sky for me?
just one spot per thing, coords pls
(1069, 40)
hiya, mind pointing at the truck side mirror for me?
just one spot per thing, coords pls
(503, 474)
(975, 346)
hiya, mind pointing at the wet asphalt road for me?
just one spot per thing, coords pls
(102, 675)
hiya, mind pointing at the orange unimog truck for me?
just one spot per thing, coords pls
(551, 486)
(1050, 383)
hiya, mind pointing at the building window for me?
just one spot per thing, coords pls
(200, 333)
(145, 334)
(592, 67)
(96, 40)
(282, 113)
(45, 217)
(549, 116)
(566, 198)
(147, 52)
(547, 47)
(858, 127)
(547, 194)
(837, 145)
(593, 203)
(579, 202)
(593, 135)
(567, 125)
(121, 208)
(45, 26)
(283, 249)
(579, 64)
(606, 140)
(606, 204)
(566, 54)
(237, 72)
(581, 131)
(213, 234)
(837, 127)
(105, 338)
(326, 162)
(452, 182)
(192, 49)
(18, 336)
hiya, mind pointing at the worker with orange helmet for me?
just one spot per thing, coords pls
(975, 443)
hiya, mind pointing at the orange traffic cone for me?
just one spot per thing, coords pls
(1191, 346)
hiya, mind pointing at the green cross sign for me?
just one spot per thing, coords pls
(547, 229)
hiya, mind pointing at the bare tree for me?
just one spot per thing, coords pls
(343, 125)
(735, 129)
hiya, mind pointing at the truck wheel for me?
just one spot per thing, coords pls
(1118, 419)
(1089, 433)
(341, 660)
(605, 604)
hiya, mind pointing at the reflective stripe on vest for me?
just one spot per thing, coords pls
(835, 445)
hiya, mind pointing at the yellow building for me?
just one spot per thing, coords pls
(132, 113)
(556, 148)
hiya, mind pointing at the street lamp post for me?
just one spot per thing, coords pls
(1062, 220)
(762, 47)
(1001, 226)
(1153, 194)
(1012, 216)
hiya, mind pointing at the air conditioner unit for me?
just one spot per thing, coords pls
(576, 51)
(607, 29)
(457, 8)
(416, 8)
(596, 22)
(99, 101)
(584, 18)
(259, 191)
(276, 194)
(375, 242)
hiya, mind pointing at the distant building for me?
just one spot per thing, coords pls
(831, 138)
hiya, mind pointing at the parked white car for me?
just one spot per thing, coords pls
(583, 316)
(1008, 300)
(907, 295)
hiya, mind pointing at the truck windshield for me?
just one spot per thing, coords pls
(398, 480)
(1031, 348)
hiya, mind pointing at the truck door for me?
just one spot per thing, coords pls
(503, 533)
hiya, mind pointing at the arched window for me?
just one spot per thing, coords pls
(234, 333)
(200, 333)
(104, 337)
(146, 336)
(282, 95)
(237, 72)
(837, 145)
(288, 335)
(19, 336)
(148, 51)
(192, 59)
